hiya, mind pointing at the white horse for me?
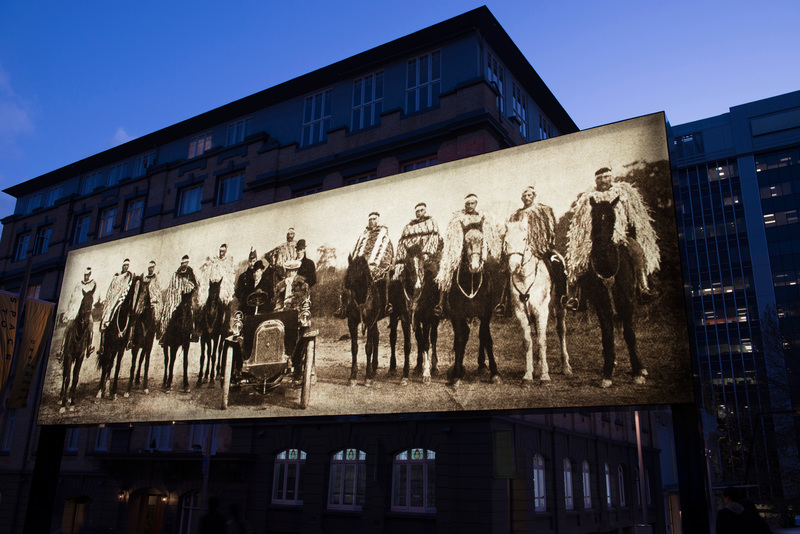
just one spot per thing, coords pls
(531, 293)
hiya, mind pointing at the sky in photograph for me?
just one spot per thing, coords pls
(77, 78)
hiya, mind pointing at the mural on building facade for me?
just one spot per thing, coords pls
(541, 276)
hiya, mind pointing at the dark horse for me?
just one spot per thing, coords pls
(178, 335)
(472, 294)
(115, 340)
(610, 286)
(212, 321)
(77, 346)
(364, 303)
(413, 297)
(145, 324)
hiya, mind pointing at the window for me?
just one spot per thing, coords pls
(229, 188)
(545, 128)
(160, 438)
(287, 483)
(414, 481)
(34, 290)
(237, 131)
(348, 480)
(199, 438)
(54, 194)
(8, 430)
(608, 485)
(189, 199)
(316, 118)
(71, 441)
(360, 178)
(423, 82)
(117, 173)
(134, 214)
(106, 225)
(42, 241)
(101, 439)
(419, 163)
(367, 100)
(142, 163)
(34, 203)
(539, 491)
(190, 512)
(569, 501)
(21, 250)
(519, 109)
(81, 234)
(494, 75)
(621, 484)
(587, 485)
(199, 144)
(305, 191)
(92, 181)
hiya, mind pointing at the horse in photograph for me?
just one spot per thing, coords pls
(532, 297)
(610, 287)
(413, 297)
(77, 346)
(115, 340)
(145, 324)
(212, 322)
(471, 296)
(364, 303)
(178, 335)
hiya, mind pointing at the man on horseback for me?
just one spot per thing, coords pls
(218, 269)
(117, 289)
(462, 221)
(80, 302)
(423, 231)
(541, 224)
(633, 229)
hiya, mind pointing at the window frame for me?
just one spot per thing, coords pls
(41, 242)
(92, 181)
(342, 460)
(420, 163)
(199, 144)
(519, 108)
(183, 200)
(105, 221)
(539, 484)
(406, 460)
(34, 202)
(222, 188)
(316, 121)
(432, 85)
(569, 491)
(586, 479)
(101, 439)
(364, 104)
(359, 178)
(609, 501)
(21, 246)
(71, 440)
(284, 477)
(54, 194)
(80, 232)
(142, 163)
(117, 172)
(238, 131)
(495, 75)
(134, 214)
(621, 485)
(163, 437)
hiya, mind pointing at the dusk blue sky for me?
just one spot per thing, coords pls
(77, 78)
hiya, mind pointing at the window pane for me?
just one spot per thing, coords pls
(400, 485)
(277, 487)
(336, 483)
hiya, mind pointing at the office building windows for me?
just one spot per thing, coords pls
(71, 441)
(134, 213)
(608, 485)
(81, 232)
(348, 480)
(117, 173)
(21, 250)
(367, 101)
(237, 131)
(419, 163)
(495, 74)
(569, 500)
(360, 178)
(519, 109)
(34, 203)
(287, 482)
(539, 488)
(414, 481)
(229, 188)
(316, 118)
(53, 194)
(189, 199)
(305, 191)
(101, 439)
(106, 225)
(586, 477)
(92, 181)
(42, 241)
(142, 163)
(199, 145)
(423, 82)
(545, 128)
(160, 438)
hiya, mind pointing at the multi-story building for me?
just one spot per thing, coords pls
(453, 90)
(738, 178)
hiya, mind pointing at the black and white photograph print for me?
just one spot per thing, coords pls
(540, 276)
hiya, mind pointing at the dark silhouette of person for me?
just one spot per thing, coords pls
(734, 518)
(213, 522)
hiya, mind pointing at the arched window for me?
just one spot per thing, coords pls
(287, 482)
(587, 485)
(539, 491)
(414, 481)
(608, 485)
(190, 512)
(569, 501)
(621, 484)
(348, 480)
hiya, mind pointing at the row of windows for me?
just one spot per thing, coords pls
(41, 243)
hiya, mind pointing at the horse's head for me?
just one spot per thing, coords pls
(358, 278)
(413, 273)
(473, 250)
(213, 290)
(603, 220)
(514, 243)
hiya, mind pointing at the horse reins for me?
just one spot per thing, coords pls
(608, 282)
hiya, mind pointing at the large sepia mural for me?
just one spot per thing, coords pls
(540, 276)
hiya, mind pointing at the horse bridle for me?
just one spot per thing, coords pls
(475, 292)
(524, 296)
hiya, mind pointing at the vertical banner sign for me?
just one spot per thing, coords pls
(8, 329)
(36, 331)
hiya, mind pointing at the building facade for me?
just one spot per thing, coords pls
(738, 181)
(456, 89)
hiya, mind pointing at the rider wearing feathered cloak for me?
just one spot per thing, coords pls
(218, 269)
(633, 228)
(374, 245)
(422, 231)
(183, 282)
(117, 291)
